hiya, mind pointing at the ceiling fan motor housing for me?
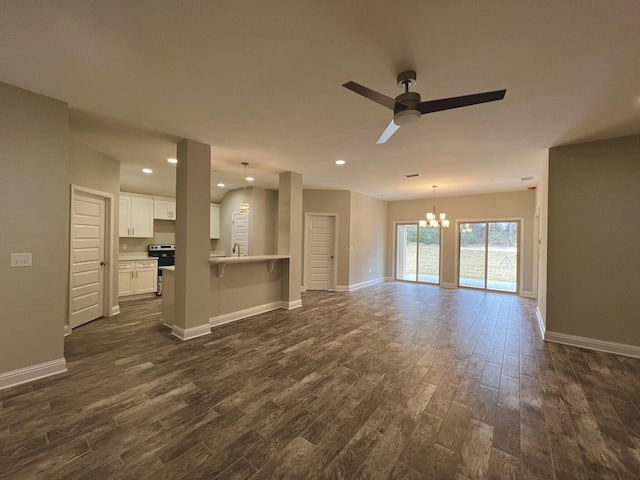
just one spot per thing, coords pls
(406, 111)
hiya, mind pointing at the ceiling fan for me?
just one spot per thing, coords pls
(407, 106)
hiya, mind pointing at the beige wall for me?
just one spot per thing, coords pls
(333, 201)
(263, 223)
(495, 206)
(34, 218)
(91, 169)
(97, 171)
(593, 264)
(244, 286)
(367, 239)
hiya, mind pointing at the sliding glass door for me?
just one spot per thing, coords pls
(417, 253)
(488, 256)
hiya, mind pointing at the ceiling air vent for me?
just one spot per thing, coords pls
(525, 179)
(411, 175)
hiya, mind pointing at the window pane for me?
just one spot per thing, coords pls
(472, 255)
(407, 255)
(429, 261)
(502, 266)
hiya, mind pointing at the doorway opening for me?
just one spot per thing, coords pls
(488, 255)
(417, 253)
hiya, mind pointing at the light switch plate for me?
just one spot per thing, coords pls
(20, 260)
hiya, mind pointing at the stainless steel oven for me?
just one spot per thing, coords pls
(166, 255)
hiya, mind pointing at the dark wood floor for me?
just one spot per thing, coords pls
(394, 381)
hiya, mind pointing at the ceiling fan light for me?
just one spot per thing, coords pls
(406, 117)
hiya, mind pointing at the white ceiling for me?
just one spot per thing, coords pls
(261, 82)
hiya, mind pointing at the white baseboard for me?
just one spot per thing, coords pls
(388, 279)
(540, 322)
(115, 310)
(249, 312)
(341, 288)
(448, 285)
(291, 305)
(527, 293)
(368, 283)
(67, 330)
(190, 333)
(33, 372)
(593, 344)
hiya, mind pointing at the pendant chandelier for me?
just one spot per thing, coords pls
(432, 219)
(244, 206)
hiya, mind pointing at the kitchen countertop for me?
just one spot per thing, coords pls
(247, 259)
(135, 256)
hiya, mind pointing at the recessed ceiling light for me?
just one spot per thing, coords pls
(249, 179)
(172, 160)
(221, 185)
(340, 162)
(147, 170)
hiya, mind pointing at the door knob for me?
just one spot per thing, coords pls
(103, 263)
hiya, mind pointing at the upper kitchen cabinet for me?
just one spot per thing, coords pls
(214, 221)
(136, 215)
(164, 208)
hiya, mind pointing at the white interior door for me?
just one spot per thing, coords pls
(87, 259)
(240, 232)
(321, 230)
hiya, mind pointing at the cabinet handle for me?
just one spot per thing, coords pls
(133, 231)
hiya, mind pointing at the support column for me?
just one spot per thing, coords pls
(290, 235)
(193, 196)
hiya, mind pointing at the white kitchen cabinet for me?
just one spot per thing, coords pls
(164, 208)
(137, 277)
(214, 221)
(125, 279)
(136, 215)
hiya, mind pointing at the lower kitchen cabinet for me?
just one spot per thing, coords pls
(137, 277)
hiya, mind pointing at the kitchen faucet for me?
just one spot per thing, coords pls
(235, 245)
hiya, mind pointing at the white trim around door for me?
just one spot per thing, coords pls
(332, 253)
(108, 247)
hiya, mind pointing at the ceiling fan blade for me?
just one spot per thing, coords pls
(371, 94)
(457, 102)
(390, 130)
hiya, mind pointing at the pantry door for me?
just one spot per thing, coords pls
(87, 258)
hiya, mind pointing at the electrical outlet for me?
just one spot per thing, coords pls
(20, 260)
(369, 270)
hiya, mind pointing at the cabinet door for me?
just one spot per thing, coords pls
(214, 221)
(162, 209)
(141, 216)
(146, 279)
(125, 282)
(124, 223)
